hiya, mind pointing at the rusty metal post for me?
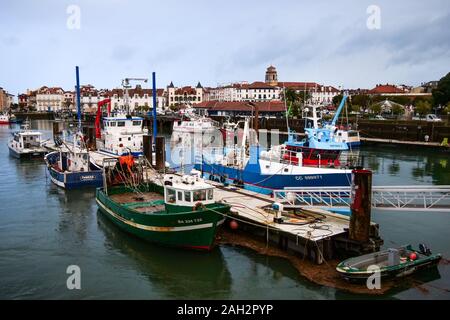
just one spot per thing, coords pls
(91, 137)
(160, 153)
(359, 229)
(55, 129)
(256, 119)
(148, 148)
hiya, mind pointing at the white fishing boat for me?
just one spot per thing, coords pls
(26, 143)
(5, 118)
(196, 125)
(121, 134)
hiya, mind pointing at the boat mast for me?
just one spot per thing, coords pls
(77, 71)
(155, 123)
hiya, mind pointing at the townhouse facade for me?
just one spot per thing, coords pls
(185, 95)
(6, 100)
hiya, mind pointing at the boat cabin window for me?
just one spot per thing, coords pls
(171, 196)
(200, 195)
(112, 124)
(187, 196)
(121, 123)
(352, 133)
(180, 196)
(210, 194)
(136, 123)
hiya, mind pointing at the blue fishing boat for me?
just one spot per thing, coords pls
(342, 133)
(70, 167)
(263, 171)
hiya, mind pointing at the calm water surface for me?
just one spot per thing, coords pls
(44, 229)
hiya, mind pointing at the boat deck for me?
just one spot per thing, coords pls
(146, 202)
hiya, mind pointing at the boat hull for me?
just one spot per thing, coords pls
(76, 180)
(179, 227)
(72, 180)
(354, 144)
(266, 183)
(26, 155)
(350, 272)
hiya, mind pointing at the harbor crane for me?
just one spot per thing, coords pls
(126, 85)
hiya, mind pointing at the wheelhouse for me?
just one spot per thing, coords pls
(303, 155)
(187, 191)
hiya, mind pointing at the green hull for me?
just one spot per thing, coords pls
(176, 226)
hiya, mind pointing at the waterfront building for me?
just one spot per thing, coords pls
(184, 95)
(397, 90)
(140, 99)
(6, 100)
(49, 99)
(241, 108)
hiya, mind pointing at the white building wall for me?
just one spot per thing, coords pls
(49, 102)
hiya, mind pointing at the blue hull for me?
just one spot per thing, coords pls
(354, 144)
(73, 180)
(265, 184)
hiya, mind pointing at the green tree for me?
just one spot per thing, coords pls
(397, 110)
(295, 102)
(447, 109)
(441, 95)
(362, 100)
(423, 107)
(375, 108)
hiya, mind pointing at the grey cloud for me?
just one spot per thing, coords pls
(419, 42)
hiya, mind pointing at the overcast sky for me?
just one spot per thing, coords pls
(222, 41)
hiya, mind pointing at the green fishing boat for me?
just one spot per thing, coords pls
(391, 263)
(174, 210)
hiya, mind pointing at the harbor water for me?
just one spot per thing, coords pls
(44, 229)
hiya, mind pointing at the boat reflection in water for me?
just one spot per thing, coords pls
(175, 271)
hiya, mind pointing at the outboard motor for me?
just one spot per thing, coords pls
(423, 249)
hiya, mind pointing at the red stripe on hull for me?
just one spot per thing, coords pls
(201, 248)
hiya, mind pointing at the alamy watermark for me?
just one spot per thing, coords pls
(73, 21)
(74, 279)
(373, 21)
(374, 281)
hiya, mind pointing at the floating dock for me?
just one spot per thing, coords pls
(311, 232)
(433, 145)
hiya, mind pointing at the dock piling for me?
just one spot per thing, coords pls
(359, 229)
(160, 153)
(148, 141)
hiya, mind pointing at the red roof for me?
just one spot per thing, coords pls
(387, 88)
(131, 92)
(186, 90)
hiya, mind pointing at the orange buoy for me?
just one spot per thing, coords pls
(413, 256)
(234, 225)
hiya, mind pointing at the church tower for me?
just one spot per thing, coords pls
(271, 76)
